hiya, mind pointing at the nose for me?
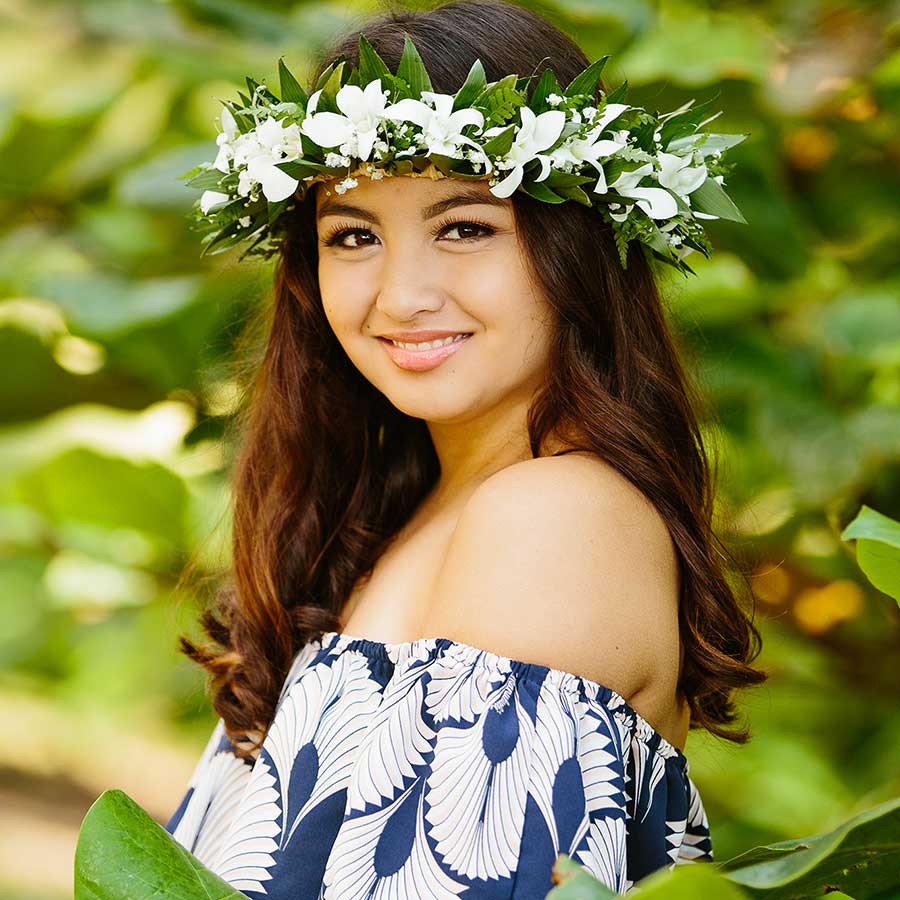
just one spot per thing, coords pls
(407, 285)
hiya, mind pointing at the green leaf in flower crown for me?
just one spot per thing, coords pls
(706, 140)
(557, 179)
(371, 65)
(208, 180)
(688, 121)
(618, 95)
(540, 191)
(573, 192)
(440, 161)
(334, 82)
(123, 854)
(711, 198)
(252, 85)
(243, 118)
(586, 82)
(289, 86)
(245, 100)
(327, 72)
(301, 168)
(411, 68)
(274, 210)
(500, 101)
(473, 86)
(499, 144)
(547, 84)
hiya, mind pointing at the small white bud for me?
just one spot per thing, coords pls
(345, 185)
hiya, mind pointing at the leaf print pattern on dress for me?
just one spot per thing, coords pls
(431, 768)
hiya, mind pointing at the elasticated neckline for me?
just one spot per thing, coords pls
(466, 654)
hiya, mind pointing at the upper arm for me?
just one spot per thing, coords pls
(562, 562)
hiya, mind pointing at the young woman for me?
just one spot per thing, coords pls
(476, 602)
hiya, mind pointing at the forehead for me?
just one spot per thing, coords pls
(422, 195)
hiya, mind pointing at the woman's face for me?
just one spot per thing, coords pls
(404, 254)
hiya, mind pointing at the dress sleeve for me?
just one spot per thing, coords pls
(214, 790)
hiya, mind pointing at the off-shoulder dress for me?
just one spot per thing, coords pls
(434, 769)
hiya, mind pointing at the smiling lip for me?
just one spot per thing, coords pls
(418, 337)
(423, 360)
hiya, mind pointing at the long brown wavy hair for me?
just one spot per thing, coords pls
(326, 470)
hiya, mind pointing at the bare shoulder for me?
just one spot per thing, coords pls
(563, 562)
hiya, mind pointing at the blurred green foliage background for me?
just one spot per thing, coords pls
(115, 338)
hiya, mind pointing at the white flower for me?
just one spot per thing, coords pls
(441, 128)
(577, 151)
(344, 185)
(678, 175)
(225, 139)
(554, 99)
(335, 160)
(363, 111)
(586, 149)
(257, 153)
(658, 203)
(209, 199)
(536, 133)
(621, 217)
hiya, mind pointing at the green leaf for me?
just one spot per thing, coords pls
(877, 549)
(860, 857)
(618, 95)
(586, 82)
(687, 119)
(371, 65)
(576, 883)
(207, 180)
(686, 882)
(573, 192)
(500, 100)
(411, 68)
(123, 854)
(540, 191)
(711, 198)
(547, 84)
(499, 144)
(472, 87)
(707, 140)
(291, 91)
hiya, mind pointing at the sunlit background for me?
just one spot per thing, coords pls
(114, 340)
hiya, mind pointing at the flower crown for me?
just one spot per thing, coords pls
(652, 177)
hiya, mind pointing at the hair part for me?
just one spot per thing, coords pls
(328, 470)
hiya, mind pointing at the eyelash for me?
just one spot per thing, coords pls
(338, 232)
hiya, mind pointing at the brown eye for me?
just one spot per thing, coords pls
(466, 225)
(335, 237)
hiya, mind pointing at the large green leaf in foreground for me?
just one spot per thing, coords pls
(859, 859)
(123, 854)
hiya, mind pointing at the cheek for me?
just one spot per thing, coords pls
(341, 300)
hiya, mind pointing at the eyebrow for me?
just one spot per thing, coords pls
(467, 197)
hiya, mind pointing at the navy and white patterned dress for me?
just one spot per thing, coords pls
(434, 769)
